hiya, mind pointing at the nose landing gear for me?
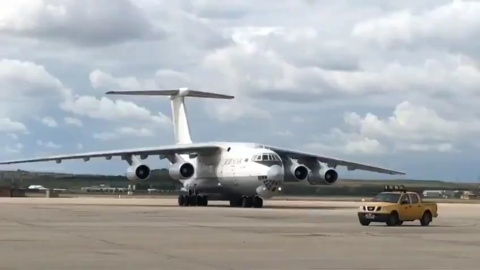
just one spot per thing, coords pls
(247, 202)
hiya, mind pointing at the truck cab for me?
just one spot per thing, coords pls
(396, 205)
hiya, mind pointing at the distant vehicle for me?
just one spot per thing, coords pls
(396, 205)
(39, 187)
(243, 173)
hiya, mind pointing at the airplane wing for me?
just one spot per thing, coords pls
(333, 162)
(160, 150)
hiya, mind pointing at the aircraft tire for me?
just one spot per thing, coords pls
(257, 202)
(181, 200)
(247, 202)
(192, 200)
(198, 200)
(203, 200)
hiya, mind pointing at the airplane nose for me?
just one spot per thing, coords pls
(275, 173)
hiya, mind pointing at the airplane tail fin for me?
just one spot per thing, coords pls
(179, 112)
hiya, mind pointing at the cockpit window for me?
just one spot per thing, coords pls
(266, 157)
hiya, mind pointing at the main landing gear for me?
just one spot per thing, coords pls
(247, 202)
(192, 200)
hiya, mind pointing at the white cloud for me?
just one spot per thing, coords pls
(411, 122)
(14, 149)
(454, 25)
(411, 128)
(107, 109)
(49, 121)
(9, 126)
(125, 132)
(100, 79)
(263, 72)
(89, 22)
(337, 142)
(227, 111)
(13, 136)
(163, 79)
(73, 121)
(48, 144)
(436, 147)
(26, 88)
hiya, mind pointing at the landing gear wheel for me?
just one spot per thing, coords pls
(364, 222)
(204, 200)
(247, 202)
(257, 202)
(198, 200)
(192, 200)
(393, 219)
(426, 219)
(181, 200)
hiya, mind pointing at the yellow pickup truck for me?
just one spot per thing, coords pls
(396, 205)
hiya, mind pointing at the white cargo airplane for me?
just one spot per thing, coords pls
(243, 173)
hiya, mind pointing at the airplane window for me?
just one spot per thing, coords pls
(265, 157)
(270, 157)
(246, 160)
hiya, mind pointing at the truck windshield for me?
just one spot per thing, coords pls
(386, 197)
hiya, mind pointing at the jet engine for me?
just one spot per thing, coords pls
(300, 172)
(295, 170)
(138, 172)
(323, 176)
(181, 170)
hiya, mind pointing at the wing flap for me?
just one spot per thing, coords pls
(332, 162)
(161, 150)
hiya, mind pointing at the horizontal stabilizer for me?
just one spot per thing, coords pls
(182, 92)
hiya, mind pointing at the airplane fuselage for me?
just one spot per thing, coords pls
(236, 170)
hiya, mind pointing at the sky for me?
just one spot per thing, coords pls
(390, 83)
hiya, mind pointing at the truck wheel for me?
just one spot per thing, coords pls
(364, 222)
(399, 223)
(426, 218)
(393, 219)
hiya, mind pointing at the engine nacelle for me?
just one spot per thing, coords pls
(138, 172)
(181, 170)
(300, 172)
(323, 176)
(296, 171)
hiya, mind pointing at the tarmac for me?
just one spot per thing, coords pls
(113, 233)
